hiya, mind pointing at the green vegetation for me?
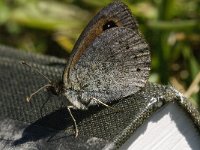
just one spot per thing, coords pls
(171, 27)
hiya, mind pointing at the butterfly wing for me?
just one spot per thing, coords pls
(107, 64)
(117, 12)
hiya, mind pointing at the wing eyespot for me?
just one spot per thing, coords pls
(109, 24)
(138, 69)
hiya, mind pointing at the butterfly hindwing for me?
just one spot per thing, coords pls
(115, 65)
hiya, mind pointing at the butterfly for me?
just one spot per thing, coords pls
(110, 60)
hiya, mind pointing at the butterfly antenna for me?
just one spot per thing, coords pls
(43, 87)
(24, 63)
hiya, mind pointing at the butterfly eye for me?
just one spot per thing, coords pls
(108, 25)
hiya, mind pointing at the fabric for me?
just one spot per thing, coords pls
(45, 123)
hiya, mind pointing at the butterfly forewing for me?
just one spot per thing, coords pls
(116, 12)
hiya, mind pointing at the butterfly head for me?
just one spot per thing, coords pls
(55, 88)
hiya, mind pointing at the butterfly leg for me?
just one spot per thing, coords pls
(102, 103)
(74, 120)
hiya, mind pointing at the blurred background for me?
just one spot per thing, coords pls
(171, 27)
